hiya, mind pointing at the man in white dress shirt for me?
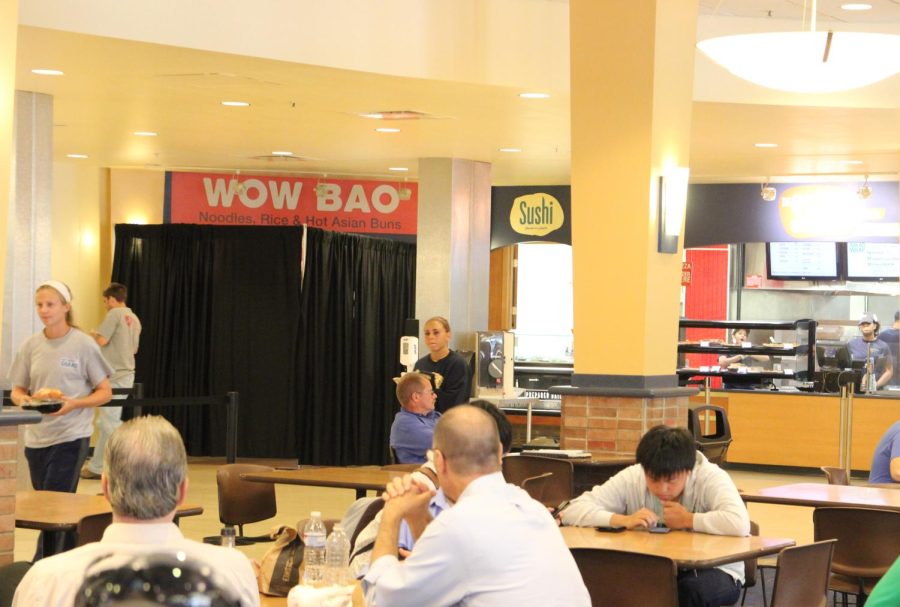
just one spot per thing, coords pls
(494, 547)
(145, 480)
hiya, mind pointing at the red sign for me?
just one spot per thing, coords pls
(686, 268)
(342, 205)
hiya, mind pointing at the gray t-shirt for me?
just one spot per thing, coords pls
(72, 364)
(122, 328)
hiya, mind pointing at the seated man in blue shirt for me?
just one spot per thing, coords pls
(886, 461)
(414, 424)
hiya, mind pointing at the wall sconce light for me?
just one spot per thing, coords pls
(672, 202)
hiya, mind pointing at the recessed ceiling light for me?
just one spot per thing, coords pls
(236, 103)
(145, 133)
(398, 169)
(76, 155)
(850, 161)
(387, 130)
(42, 72)
(511, 150)
(282, 153)
(534, 95)
(766, 145)
(856, 6)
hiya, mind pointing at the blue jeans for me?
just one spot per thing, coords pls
(707, 588)
(56, 468)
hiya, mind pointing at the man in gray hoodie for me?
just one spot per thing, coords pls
(673, 485)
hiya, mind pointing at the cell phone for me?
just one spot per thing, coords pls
(610, 529)
(659, 530)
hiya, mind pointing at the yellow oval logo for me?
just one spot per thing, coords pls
(536, 214)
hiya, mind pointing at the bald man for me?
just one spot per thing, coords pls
(494, 546)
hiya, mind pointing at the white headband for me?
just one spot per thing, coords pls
(63, 289)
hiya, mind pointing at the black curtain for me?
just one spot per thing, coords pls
(220, 312)
(222, 309)
(357, 291)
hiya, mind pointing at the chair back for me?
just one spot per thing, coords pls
(91, 528)
(243, 501)
(10, 576)
(868, 539)
(715, 444)
(802, 575)
(627, 579)
(550, 491)
(367, 517)
(835, 476)
(750, 565)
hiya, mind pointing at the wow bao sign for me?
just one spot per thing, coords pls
(344, 205)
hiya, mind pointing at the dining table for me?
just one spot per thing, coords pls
(359, 478)
(818, 495)
(689, 549)
(56, 512)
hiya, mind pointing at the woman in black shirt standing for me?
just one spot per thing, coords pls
(448, 370)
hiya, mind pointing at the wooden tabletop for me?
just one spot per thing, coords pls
(817, 494)
(361, 478)
(689, 550)
(56, 511)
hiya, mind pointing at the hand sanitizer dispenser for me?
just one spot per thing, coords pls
(409, 352)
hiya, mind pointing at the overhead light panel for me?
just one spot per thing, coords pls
(236, 103)
(807, 61)
(385, 129)
(398, 169)
(766, 145)
(146, 133)
(511, 150)
(76, 156)
(45, 72)
(534, 95)
(856, 6)
(282, 153)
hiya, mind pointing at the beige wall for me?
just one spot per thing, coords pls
(135, 196)
(79, 193)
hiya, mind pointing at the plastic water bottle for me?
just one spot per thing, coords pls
(227, 536)
(337, 557)
(314, 550)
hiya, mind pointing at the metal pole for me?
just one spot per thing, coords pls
(231, 427)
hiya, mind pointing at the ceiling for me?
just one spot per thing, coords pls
(113, 87)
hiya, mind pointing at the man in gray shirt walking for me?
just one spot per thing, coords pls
(118, 336)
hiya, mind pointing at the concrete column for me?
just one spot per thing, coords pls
(9, 11)
(453, 245)
(631, 88)
(29, 238)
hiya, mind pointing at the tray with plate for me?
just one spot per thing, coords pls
(44, 405)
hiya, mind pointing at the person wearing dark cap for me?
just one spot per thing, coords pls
(892, 338)
(868, 346)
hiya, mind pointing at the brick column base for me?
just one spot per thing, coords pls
(9, 438)
(613, 425)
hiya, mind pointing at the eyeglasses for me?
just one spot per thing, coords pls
(428, 391)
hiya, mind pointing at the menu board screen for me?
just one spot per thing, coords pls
(873, 261)
(802, 260)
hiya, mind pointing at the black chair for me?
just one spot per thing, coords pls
(835, 476)
(801, 578)
(10, 576)
(548, 480)
(91, 528)
(868, 544)
(242, 502)
(627, 579)
(714, 445)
